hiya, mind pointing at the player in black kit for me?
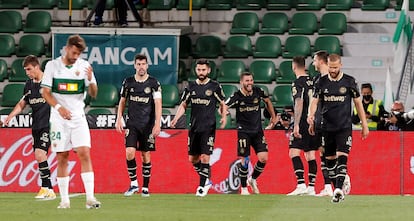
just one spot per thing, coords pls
(40, 122)
(336, 91)
(249, 129)
(203, 95)
(142, 93)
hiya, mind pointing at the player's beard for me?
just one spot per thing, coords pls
(334, 75)
(201, 77)
(141, 72)
(248, 87)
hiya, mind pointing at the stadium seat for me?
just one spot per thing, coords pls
(239, 46)
(266, 91)
(230, 71)
(107, 96)
(398, 5)
(286, 74)
(375, 5)
(250, 4)
(110, 4)
(170, 95)
(98, 111)
(7, 45)
(282, 96)
(331, 44)
(12, 4)
(208, 46)
(212, 75)
(42, 4)
(263, 71)
(184, 4)
(186, 46)
(3, 70)
(12, 93)
(38, 22)
(6, 111)
(11, 21)
(338, 5)
(17, 72)
(311, 70)
(160, 4)
(219, 4)
(245, 23)
(274, 23)
(48, 48)
(76, 4)
(182, 71)
(333, 23)
(303, 23)
(267, 46)
(229, 122)
(43, 64)
(30, 45)
(309, 4)
(296, 45)
(229, 89)
(280, 4)
(166, 111)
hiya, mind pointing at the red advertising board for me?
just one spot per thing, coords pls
(380, 164)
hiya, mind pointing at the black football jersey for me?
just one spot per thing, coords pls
(318, 114)
(40, 108)
(302, 88)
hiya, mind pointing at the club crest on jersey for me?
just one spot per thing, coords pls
(77, 72)
(294, 91)
(342, 90)
(255, 101)
(193, 93)
(131, 90)
(209, 92)
(147, 90)
(326, 91)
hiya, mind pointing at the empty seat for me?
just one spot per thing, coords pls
(286, 74)
(185, 46)
(160, 4)
(238, 47)
(3, 70)
(333, 23)
(337, 5)
(245, 23)
(219, 4)
(208, 46)
(310, 4)
(12, 93)
(12, 4)
(274, 23)
(213, 72)
(182, 71)
(6, 111)
(230, 71)
(280, 4)
(250, 4)
(229, 89)
(375, 5)
(267, 46)
(331, 44)
(7, 45)
(282, 96)
(30, 45)
(98, 111)
(263, 71)
(107, 96)
(42, 4)
(11, 21)
(17, 72)
(295, 46)
(303, 23)
(38, 22)
(76, 4)
(196, 4)
(170, 95)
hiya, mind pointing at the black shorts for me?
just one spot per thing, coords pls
(40, 138)
(143, 137)
(340, 141)
(245, 140)
(201, 142)
(306, 143)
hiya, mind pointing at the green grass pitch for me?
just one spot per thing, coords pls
(186, 207)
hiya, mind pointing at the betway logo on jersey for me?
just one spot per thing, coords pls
(248, 109)
(37, 100)
(200, 101)
(334, 98)
(139, 99)
(68, 87)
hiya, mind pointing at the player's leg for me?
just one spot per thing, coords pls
(243, 152)
(330, 155)
(131, 140)
(327, 190)
(312, 171)
(41, 145)
(206, 149)
(260, 147)
(63, 179)
(148, 145)
(344, 146)
(294, 154)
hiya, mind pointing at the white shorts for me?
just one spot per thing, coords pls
(66, 135)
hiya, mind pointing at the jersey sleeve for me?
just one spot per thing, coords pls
(263, 94)
(317, 88)
(297, 90)
(219, 94)
(232, 100)
(156, 90)
(26, 92)
(354, 88)
(47, 79)
(185, 96)
(123, 92)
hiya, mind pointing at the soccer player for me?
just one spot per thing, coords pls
(203, 95)
(249, 129)
(64, 83)
(300, 139)
(142, 93)
(40, 126)
(336, 91)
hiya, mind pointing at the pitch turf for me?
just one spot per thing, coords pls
(186, 207)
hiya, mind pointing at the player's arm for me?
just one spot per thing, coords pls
(91, 82)
(16, 110)
(93, 90)
(47, 95)
(119, 123)
(297, 115)
(361, 113)
(158, 112)
(271, 110)
(223, 114)
(311, 115)
(180, 112)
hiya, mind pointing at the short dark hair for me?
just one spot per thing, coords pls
(140, 57)
(77, 41)
(322, 55)
(299, 61)
(30, 60)
(366, 85)
(245, 74)
(203, 61)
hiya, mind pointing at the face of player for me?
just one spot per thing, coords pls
(31, 71)
(316, 63)
(247, 83)
(202, 71)
(72, 54)
(141, 67)
(334, 68)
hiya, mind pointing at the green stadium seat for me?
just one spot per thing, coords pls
(11, 21)
(12, 4)
(274, 23)
(263, 71)
(239, 46)
(12, 93)
(303, 23)
(333, 23)
(338, 5)
(375, 5)
(3, 70)
(38, 22)
(229, 122)
(182, 71)
(213, 73)
(17, 72)
(398, 5)
(282, 96)
(31, 44)
(98, 111)
(7, 45)
(250, 4)
(42, 4)
(295, 46)
(186, 46)
(219, 4)
(280, 4)
(310, 4)
(184, 4)
(76, 4)
(267, 46)
(245, 23)
(160, 4)
(208, 46)
(229, 89)
(286, 74)
(311, 70)
(166, 111)
(230, 71)
(110, 4)
(266, 91)
(6, 111)
(43, 64)
(170, 95)
(331, 44)
(107, 96)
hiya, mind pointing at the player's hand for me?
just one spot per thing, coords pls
(119, 125)
(173, 123)
(296, 132)
(223, 122)
(270, 126)
(1, 123)
(65, 113)
(156, 131)
(89, 71)
(310, 120)
(311, 129)
(364, 132)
